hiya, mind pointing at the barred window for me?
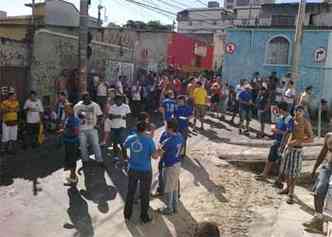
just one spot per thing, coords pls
(277, 51)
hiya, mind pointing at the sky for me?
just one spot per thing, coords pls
(118, 11)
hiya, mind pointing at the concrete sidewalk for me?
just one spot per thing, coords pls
(287, 220)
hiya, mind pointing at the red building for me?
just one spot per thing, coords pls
(189, 54)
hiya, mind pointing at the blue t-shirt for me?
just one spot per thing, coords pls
(285, 124)
(182, 114)
(245, 96)
(172, 145)
(169, 106)
(141, 149)
(71, 124)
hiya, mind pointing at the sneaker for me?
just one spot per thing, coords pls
(166, 211)
(316, 223)
(157, 194)
(290, 200)
(278, 184)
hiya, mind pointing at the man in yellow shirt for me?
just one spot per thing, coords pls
(200, 97)
(9, 109)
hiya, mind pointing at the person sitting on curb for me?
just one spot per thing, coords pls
(322, 183)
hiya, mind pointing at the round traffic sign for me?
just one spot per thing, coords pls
(230, 48)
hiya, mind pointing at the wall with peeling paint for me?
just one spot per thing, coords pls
(55, 53)
(13, 53)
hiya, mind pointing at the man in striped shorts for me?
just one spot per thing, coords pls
(291, 165)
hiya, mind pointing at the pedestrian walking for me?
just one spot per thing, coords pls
(90, 115)
(290, 95)
(71, 140)
(291, 165)
(9, 109)
(102, 88)
(34, 114)
(171, 145)
(142, 148)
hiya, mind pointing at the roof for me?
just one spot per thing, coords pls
(204, 9)
(308, 4)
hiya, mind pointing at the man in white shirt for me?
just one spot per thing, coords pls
(34, 110)
(102, 93)
(118, 114)
(89, 113)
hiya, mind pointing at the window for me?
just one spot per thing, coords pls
(277, 51)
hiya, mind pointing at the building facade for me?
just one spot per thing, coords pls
(267, 50)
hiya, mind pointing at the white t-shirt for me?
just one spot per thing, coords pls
(122, 110)
(34, 109)
(102, 89)
(90, 113)
(136, 92)
(290, 96)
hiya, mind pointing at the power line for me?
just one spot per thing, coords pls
(152, 8)
(172, 5)
(201, 2)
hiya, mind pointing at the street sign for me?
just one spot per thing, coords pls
(320, 55)
(230, 48)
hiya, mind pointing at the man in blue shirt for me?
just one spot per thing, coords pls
(142, 149)
(283, 126)
(183, 113)
(171, 145)
(168, 106)
(245, 101)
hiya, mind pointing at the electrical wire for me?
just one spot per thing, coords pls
(152, 8)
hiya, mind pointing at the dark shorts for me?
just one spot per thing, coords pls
(245, 114)
(118, 135)
(322, 182)
(262, 116)
(72, 155)
(199, 111)
(274, 154)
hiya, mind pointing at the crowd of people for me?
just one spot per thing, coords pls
(100, 119)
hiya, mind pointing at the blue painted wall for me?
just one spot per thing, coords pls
(249, 56)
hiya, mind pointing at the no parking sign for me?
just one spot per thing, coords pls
(230, 48)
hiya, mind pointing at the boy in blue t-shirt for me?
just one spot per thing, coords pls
(71, 141)
(245, 103)
(183, 113)
(283, 127)
(168, 106)
(171, 145)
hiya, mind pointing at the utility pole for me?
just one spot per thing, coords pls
(83, 44)
(297, 42)
(100, 7)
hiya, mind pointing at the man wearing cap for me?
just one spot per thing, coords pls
(9, 109)
(291, 165)
(90, 114)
